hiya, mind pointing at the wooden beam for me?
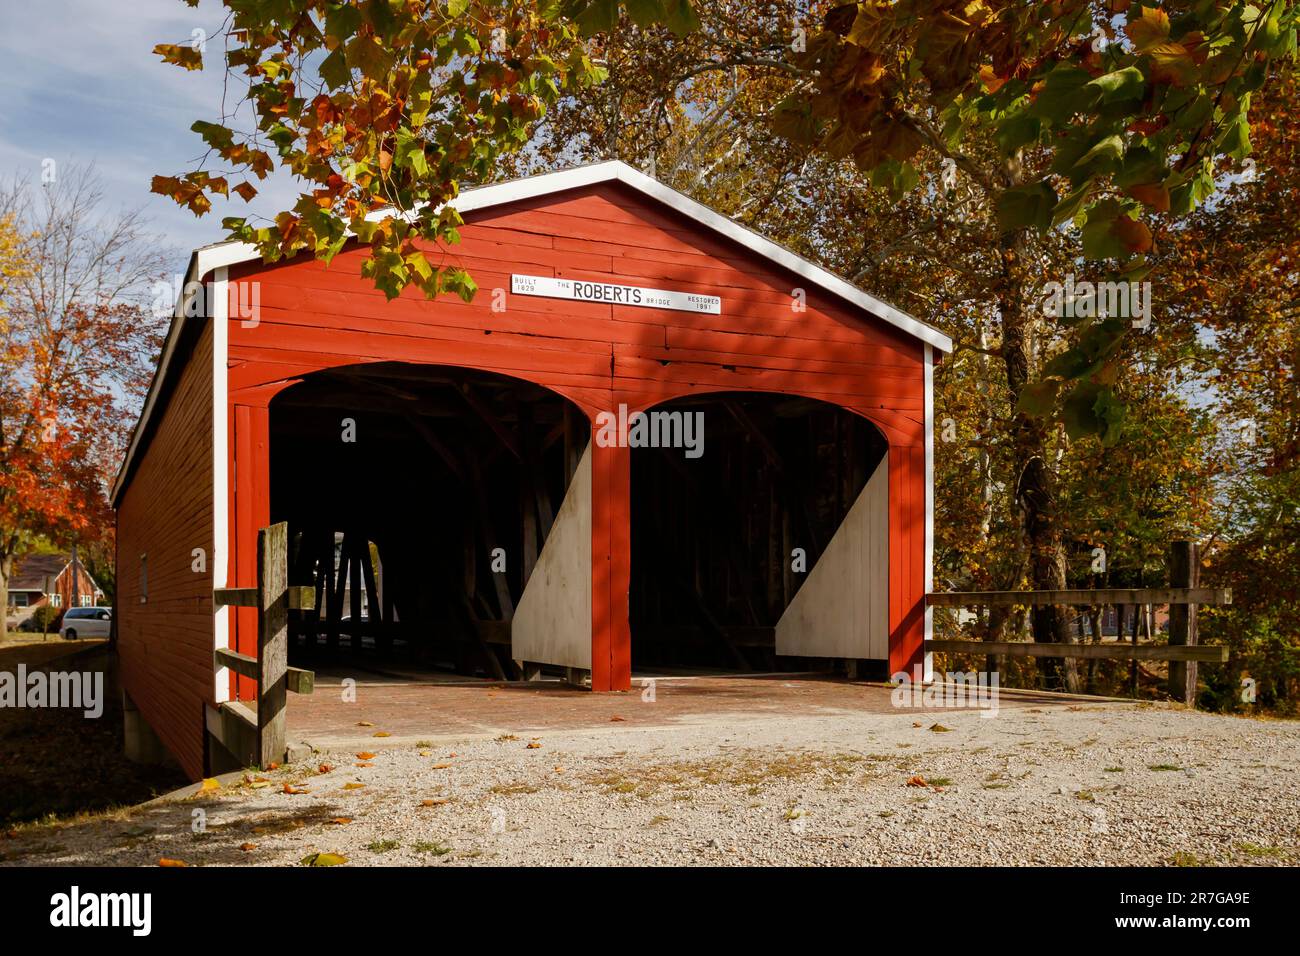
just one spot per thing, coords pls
(272, 642)
(1141, 652)
(300, 681)
(1086, 597)
(301, 597)
(1184, 572)
(492, 420)
(241, 664)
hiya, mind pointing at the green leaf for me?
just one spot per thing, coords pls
(1065, 92)
(1026, 206)
(334, 69)
(1125, 84)
(1038, 398)
(1091, 409)
(1017, 130)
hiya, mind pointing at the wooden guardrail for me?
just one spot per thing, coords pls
(260, 732)
(1183, 597)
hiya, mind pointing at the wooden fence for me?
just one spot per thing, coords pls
(1183, 596)
(256, 735)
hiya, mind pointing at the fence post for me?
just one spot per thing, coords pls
(1184, 572)
(272, 641)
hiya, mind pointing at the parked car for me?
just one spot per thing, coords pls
(86, 622)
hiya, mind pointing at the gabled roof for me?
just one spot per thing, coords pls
(33, 570)
(206, 259)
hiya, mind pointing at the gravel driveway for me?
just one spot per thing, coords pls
(1089, 784)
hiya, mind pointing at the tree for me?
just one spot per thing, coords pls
(378, 106)
(78, 348)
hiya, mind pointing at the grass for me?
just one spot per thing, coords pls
(1183, 858)
(1114, 769)
(437, 849)
(939, 781)
(382, 846)
(1164, 766)
(514, 789)
(751, 771)
(1254, 849)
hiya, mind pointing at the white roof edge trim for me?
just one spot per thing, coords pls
(207, 258)
(202, 262)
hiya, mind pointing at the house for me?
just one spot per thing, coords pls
(50, 579)
(654, 439)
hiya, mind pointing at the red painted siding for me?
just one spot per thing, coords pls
(165, 643)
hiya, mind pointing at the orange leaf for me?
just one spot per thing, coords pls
(325, 768)
(616, 718)
(1133, 233)
(1154, 195)
(434, 803)
(917, 781)
(382, 733)
(365, 755)
(166, 862)
(340, 821)
(248, 847)
(532, 745)
(290, 788)
(353, 786)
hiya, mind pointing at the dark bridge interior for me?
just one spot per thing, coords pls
(398, 528)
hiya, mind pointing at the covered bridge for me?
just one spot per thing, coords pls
(471, 486)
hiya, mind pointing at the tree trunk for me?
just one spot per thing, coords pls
(6, 568)
(1036, 484)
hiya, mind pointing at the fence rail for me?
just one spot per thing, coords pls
(258, 733)
(1183, 596)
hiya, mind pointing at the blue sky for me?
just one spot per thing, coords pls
(81, 85)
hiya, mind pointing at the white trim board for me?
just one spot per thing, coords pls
(206, 259)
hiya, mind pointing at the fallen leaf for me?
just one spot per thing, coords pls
(440, 766)
(616, 718)
(917, 781)
(208, 785)
(382, 733)
(363, 765)
(290, 788)
(166, 862)
(532, 745)
(434, 803)
(340, 821)
(353, 786)
(940, 728)
(365, 755)
(325, 768)
(324, 859)
(248, 847)
(364, 723)
(916, 723)
(273, 766)
(426, 753)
